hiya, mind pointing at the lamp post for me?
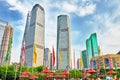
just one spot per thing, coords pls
(16, 66)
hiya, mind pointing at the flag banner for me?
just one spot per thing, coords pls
(23, 52)
(107, 62)
(53, 57)
(110, 62)
(115, 64)
(35, 54)
(8, 51)
(94, 64)
(103, 62)
(60, 57)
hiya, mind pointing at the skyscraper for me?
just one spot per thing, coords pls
(34, 34)
(6, 32)
(94, 43)
(2, 29)
(78, 63)
(85, 59)
(63, 42)
(92, 47)
(47, 57)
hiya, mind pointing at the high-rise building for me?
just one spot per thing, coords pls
(34, 35)
(78, 63)
(50, 60)
(46, 57)
(6, 32)
(85, 59)
(2, 29)
(92, 47)
(94, 44)
(63, 42)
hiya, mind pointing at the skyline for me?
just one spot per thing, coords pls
(86, 16)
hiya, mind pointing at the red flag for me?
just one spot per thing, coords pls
(53, 57)
(23, 52)
(74, 61)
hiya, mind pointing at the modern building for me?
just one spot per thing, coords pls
(106, 61)
(78, 63)
(92, 47)
(2, 29)
(85, 59)
(6, 32)
(34, 35)
(46, 57)
(51, 61)
(63, 42)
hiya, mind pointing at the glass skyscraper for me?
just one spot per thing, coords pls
(34, 34)
(63, 42)
(92, 47)
(85, 59)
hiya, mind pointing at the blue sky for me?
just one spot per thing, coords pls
(86, 17)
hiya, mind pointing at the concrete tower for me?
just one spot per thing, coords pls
(6, 33)
(35, 35)
(63, 42)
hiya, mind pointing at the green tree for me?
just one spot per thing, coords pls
(40, 68)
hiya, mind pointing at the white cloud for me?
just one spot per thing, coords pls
(108, 33)
(88, 9)
(69, 7)
(17, 5)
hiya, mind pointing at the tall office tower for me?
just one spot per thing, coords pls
(34, 35)
(94, 43)
(63, 42)
(85, 59)
(46, 57)
(2, 29)
(24, 36)
(6, 44)
(92, 47)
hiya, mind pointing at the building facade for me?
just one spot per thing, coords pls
(47, 57)
(63, 42)
(85, 59)
(2, 29)
(78, 63)
(92, 47)
(6, 44)
(34, 35)
(106, 61)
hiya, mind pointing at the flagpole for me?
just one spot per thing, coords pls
(20, 69)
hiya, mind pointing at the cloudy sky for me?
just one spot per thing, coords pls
(86, 17)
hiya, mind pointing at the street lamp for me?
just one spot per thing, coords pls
(16, 66)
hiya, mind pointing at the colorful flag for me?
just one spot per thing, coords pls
(23, 52)
(53, 57)
(8, 51)
(103, 62)
(60, 57)
(115, 64)
(35, 54)
(74, 61)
